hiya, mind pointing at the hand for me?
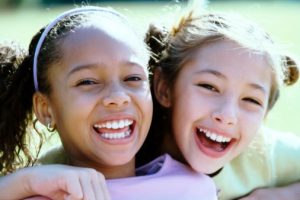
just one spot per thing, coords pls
(290, 192)
(261, 194)
(37, 198)
(60, 182)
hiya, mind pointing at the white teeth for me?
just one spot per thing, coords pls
(121, 124)
(114, 136)
(115, 124)
(215, 136)
(108, 125)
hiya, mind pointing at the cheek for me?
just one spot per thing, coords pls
(250, 127)
(147, 109)
(73, 110)
(182, 122)
(143, 99)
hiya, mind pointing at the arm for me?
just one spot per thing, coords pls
(12, 186)
(291, 192)
(55, 182)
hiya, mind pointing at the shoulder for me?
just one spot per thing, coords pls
(262, 164)
(271, 146)
(284, 156)
(175, 171)
(165, 165)
(55, 155)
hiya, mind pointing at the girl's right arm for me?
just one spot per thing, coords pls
(55, 182)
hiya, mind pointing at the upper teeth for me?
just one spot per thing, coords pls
(214, 136)
(115, 124)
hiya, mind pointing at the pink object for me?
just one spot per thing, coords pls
(164, 178)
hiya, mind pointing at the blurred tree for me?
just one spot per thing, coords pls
(10, 3)
(52, 2)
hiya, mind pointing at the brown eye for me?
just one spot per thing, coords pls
(208, 87)
(133, 78)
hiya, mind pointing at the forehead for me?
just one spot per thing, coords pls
(232, 60)
(108, 27)
(94, 44)
(230, 51)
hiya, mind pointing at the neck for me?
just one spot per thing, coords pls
(109, 172)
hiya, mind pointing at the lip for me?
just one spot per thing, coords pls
(118, 116)
(209, 151)
(120, 141)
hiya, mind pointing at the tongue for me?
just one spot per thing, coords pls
(208, 143)
(108, 130)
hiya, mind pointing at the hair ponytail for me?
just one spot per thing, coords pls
(15, 107)
(156, 39)
(292, 71)
(10, 57)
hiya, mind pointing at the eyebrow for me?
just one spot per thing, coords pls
(258, 87)
(219, 74)
(82, 67)
(96, 65)
(211, 71)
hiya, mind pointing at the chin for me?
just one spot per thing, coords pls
(206, 168)
(121, 160)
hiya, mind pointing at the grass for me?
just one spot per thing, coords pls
(279, 19)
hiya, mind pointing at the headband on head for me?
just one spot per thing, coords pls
(52, 24)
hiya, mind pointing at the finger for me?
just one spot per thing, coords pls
(97, 190)
(247, 198)
(68, 197)
(86, 185)
(72, 186)
(101, 188)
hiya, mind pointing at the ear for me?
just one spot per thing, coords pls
(42, 109)
(161, 88)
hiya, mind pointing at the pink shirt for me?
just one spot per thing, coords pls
(164, 178)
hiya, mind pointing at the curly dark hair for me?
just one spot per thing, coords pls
(17, 87)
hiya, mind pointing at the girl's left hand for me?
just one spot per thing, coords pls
(37, 198)
(290, 192)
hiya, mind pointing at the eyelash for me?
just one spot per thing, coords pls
(85, 82)
(208, 87)
(91, 82)
(133, 78)
(251, 100)
(214, 89)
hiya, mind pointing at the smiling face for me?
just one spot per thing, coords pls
(218, 101)
(100, 100)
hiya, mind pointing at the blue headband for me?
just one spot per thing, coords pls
(52, 24)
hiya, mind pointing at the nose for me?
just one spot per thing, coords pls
(226, 113)
(116, 96)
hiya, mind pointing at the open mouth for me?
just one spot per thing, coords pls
(213, 140)
(115, 129)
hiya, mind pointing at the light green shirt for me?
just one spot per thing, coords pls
(272, 159)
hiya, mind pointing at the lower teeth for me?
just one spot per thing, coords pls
(116, 136)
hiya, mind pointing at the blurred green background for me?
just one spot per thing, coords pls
(21, 19)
